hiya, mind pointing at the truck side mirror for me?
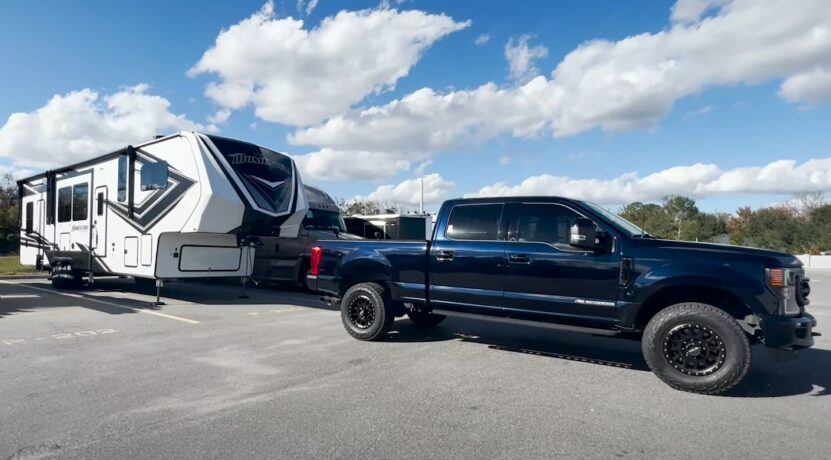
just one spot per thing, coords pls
(584, 234)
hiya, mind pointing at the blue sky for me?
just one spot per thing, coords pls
(732, 98)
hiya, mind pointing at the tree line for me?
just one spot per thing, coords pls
(799, 226)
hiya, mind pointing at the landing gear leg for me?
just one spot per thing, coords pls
(244, 281)
(159, 285)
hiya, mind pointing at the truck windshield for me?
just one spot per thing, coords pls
(324, 220)
(622, 224)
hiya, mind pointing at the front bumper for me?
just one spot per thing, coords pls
(787, 332)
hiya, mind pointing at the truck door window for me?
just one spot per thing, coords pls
(65, 204)
(80, 198)
(474, 222)
(544, 223)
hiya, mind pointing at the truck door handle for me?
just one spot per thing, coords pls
(444, 255)
(519, 258)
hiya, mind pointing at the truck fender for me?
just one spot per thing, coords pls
(733, 282)
(364, 266)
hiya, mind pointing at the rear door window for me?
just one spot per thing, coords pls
(474, 222)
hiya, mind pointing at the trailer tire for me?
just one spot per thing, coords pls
(424, 319)
(366, 311)
(696, 347)
(65, 284)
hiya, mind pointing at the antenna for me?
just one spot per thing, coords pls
(421, 203)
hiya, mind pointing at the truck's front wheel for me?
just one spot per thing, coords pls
(365, 311)
(696, 347)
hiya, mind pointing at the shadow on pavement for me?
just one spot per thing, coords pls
(809, 372)
(102, 290)
(569, 346)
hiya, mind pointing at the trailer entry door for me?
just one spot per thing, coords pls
(99, 222)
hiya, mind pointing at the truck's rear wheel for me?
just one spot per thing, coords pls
(696, 347)
(425, 319)
(365, 311)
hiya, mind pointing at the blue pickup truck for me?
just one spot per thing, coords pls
(572, 265)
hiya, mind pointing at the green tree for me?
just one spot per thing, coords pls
(650, 217)
(358, 206)
(9, 214)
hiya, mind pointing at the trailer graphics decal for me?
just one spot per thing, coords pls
(267, 176)
(159, 203)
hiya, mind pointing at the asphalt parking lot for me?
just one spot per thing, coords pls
(101, 373)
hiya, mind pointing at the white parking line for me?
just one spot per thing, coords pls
(18, 296)
(104, 302)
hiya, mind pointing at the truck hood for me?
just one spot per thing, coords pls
(769, 258)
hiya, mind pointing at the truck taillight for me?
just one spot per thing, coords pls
(316, 253)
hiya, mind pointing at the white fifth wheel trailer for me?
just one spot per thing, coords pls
(180, 206)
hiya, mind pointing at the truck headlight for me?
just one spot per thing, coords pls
(783, 281)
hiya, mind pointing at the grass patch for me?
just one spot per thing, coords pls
(10, 265)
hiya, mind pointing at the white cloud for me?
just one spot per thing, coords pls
(481, 39)
(419, 170)
(504, 160)
(338, 165)
(298, 76)
(81, 124)
(307, 8)
(521, 58)
(221, 116)
(697, 181)
(626, 84)
(424, 122)
(16, 173)
(811, 88)
(436, 190)
(689, 11)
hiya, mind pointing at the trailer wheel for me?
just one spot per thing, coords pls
(696, 347)
(67, 280)
(365, 311)
(425, 319)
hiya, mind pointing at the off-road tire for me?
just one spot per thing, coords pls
(424, 319)
(373, 299)
(736, 359)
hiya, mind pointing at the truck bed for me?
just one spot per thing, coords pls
(402, 262)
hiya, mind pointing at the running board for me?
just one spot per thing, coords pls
(523, 322)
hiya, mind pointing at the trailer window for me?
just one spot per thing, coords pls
(154, 176)
(100, 204)
(80, 199)
(65, 204)
(29, 216)
(122, 179)
(474, 222)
